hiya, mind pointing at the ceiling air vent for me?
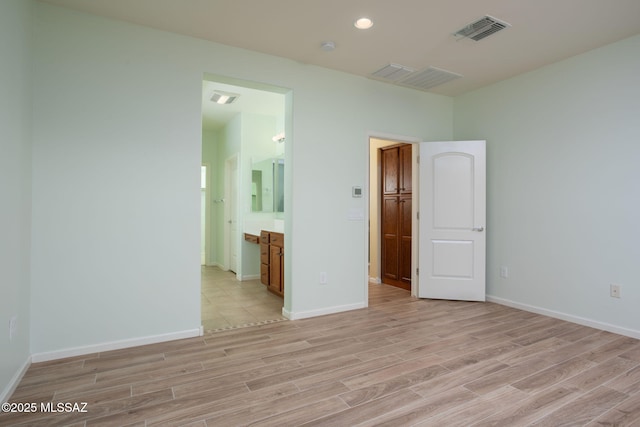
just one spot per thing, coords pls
(393, 72)
(481, 28)
(428, 78)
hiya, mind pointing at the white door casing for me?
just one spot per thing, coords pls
(452, 237)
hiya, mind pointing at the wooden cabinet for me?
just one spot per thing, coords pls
(272, 261)
(396, 215)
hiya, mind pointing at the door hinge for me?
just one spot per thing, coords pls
(417, 271)
(418, 215)
(418, 159)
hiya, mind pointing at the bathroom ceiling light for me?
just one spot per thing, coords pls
(220, 97)
(363, 23)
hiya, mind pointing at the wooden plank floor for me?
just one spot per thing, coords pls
(400, 362)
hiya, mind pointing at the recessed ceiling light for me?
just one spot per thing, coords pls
(363, 23)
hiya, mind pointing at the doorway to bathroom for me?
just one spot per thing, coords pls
(243, 129)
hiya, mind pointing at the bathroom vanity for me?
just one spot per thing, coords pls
(271, 259)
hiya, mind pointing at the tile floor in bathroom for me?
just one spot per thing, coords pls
(228, 303)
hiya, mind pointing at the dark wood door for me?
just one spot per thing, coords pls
(396, 215)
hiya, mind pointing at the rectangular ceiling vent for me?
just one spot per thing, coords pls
(392, 72)
(481, 28)
(429, 78)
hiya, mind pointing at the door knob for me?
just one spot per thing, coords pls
(478, 229)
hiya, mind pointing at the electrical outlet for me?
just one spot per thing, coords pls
(614, 291)
(504, 271)
(323, 277)
(13, 327)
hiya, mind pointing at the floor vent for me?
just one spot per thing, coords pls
(428, 78)
(481, 28)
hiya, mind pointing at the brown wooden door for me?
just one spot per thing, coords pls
(396, 215)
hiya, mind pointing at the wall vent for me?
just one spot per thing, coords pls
(428, 78)
(481, 28)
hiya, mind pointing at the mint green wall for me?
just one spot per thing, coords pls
(562, 174)
(15, 186)
(117, 149)
(115, 171)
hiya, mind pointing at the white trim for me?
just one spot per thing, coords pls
(568, 317)
(292, 315)
(249, 277)
(375, 280)
(115, 345)
(15, 380)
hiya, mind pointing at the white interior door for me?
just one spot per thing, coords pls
(231, 214)
(233, 218)
(452, 238)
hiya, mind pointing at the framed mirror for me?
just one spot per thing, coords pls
(267, 185)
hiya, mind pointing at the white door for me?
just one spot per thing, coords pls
(233, 217)
(452, 222)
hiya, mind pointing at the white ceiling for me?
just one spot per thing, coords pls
(413, 33)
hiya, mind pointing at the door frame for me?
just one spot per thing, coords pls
(374, 186)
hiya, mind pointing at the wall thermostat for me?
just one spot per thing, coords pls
(356, 191)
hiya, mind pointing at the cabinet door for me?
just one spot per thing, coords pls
(390, 238)
(390, 170)
(275, 268)
(264, 263)
(405, 168)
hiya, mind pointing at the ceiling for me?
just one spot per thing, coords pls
(413, 33)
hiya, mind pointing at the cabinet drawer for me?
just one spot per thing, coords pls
(264, 274)
(251, 238)
(276, 239)
(264, 253)
(264, 237)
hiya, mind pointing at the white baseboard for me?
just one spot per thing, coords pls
(114, 345)
(568, 317)
(294, 315)
(15, 380)
(375, 280)
(250, 277)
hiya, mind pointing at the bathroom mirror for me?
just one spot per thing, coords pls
(267, 185)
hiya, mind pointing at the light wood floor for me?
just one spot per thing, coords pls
(400, 362)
